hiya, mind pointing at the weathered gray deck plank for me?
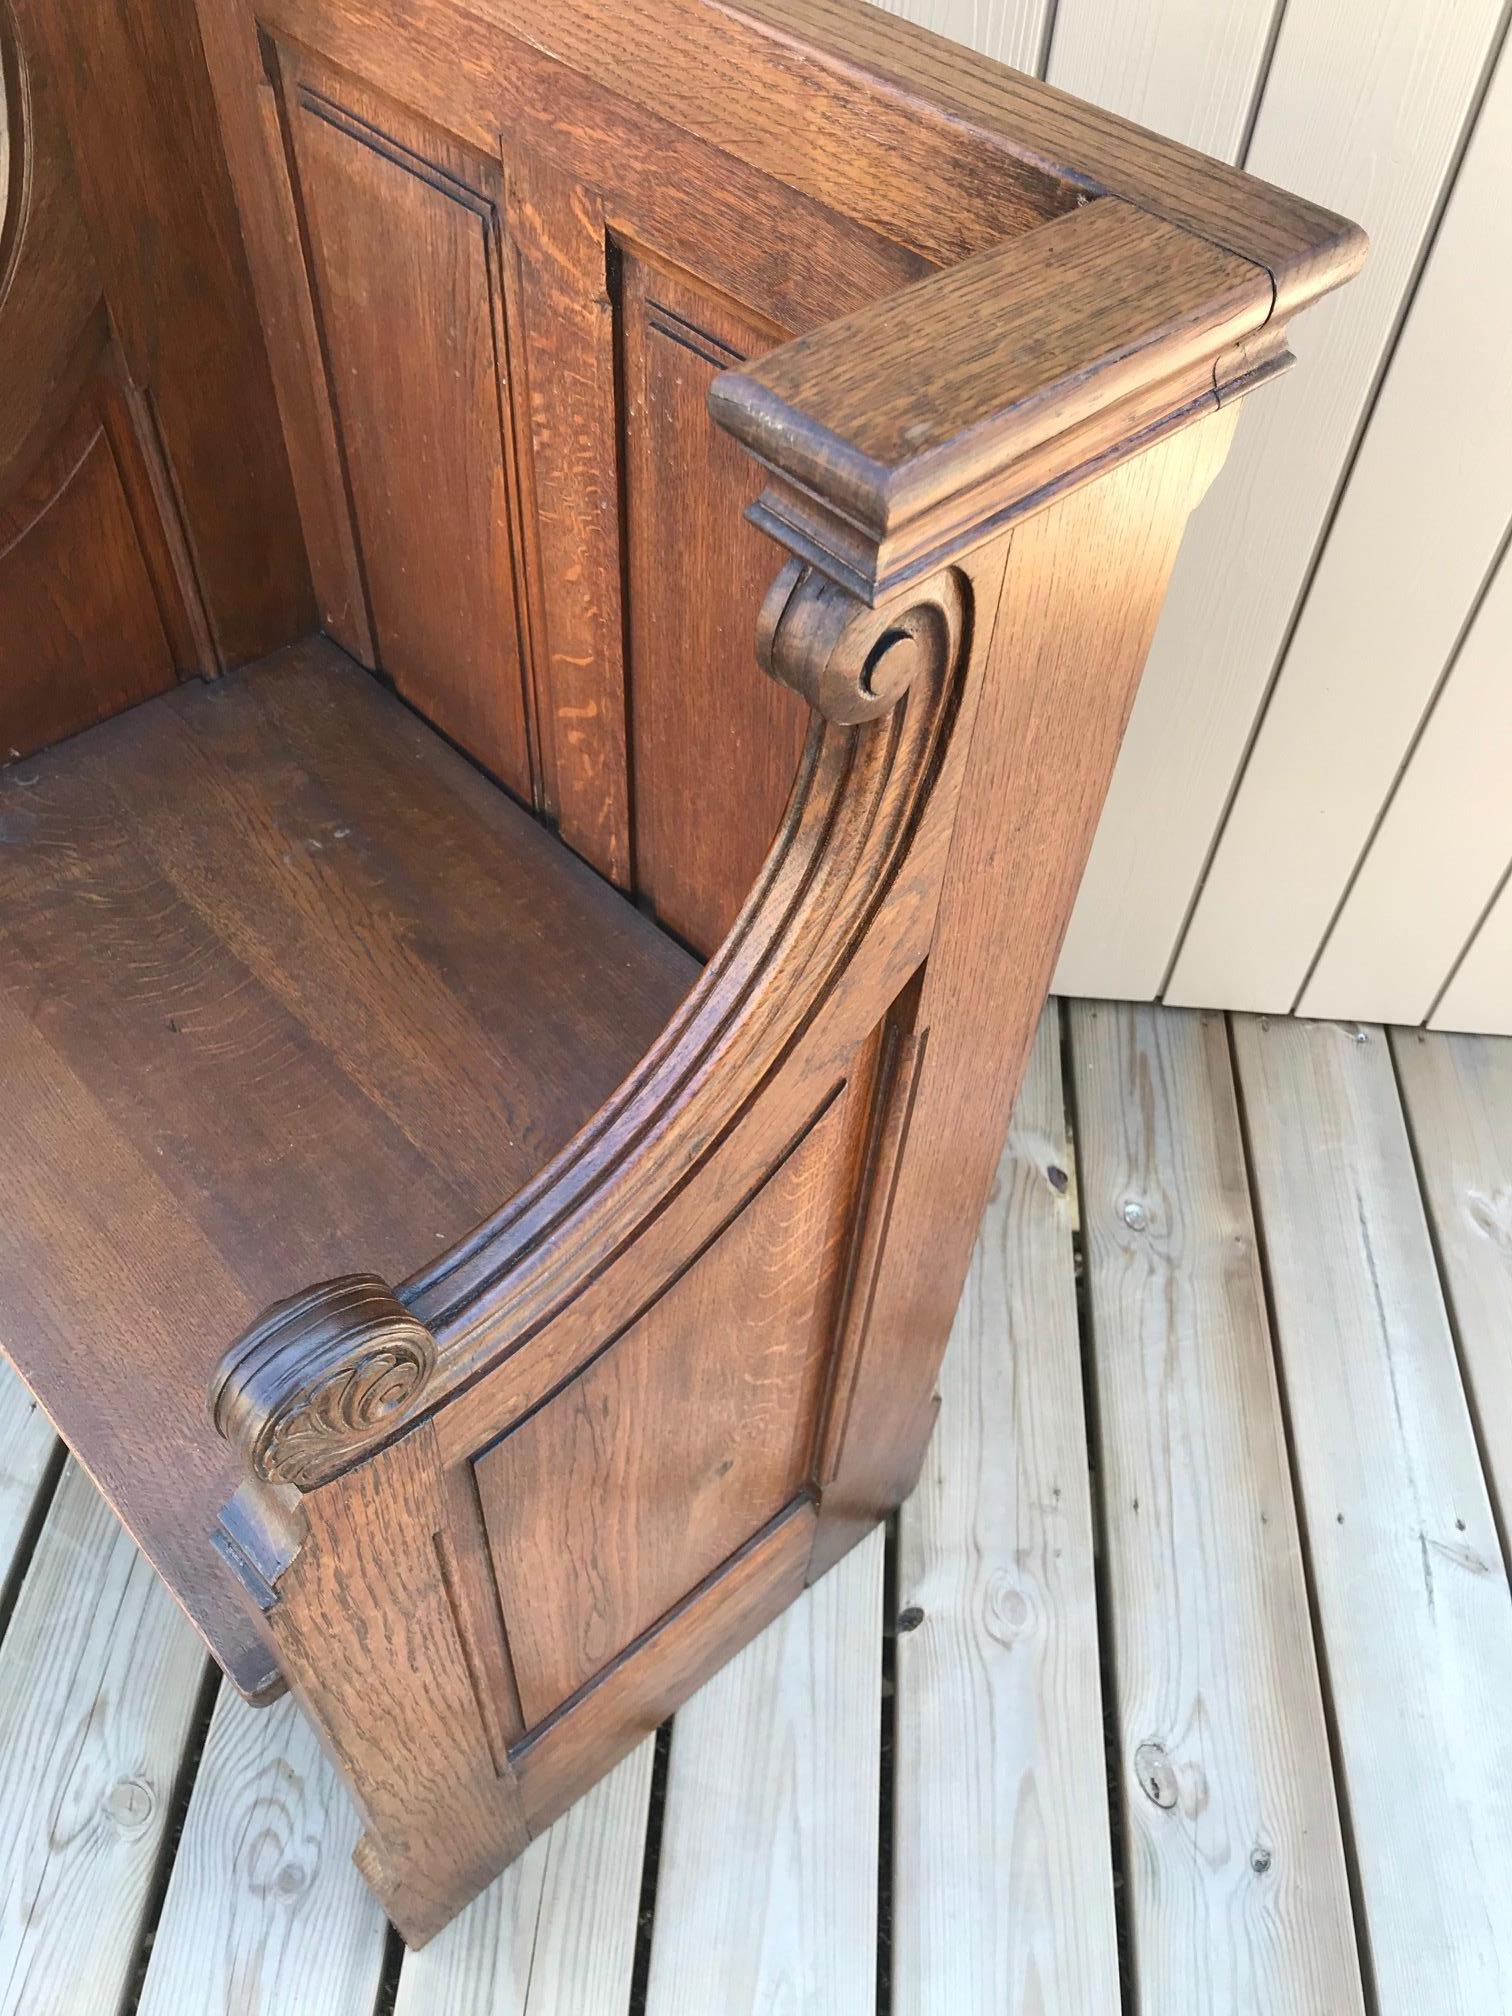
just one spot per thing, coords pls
(767, 1895)
(1457, 1091)
(264, 1910)
(1002, 1808)
(555, 1936)
(1411, 1593)
(1238, 1889)
(99, 1676)
(27, 1444)
(1003, 1859)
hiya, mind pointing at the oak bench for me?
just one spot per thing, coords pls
(499, 1090)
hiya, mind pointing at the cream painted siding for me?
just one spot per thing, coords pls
(1313, 809)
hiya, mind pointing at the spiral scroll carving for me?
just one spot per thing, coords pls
(851, 662)
(321, 1379)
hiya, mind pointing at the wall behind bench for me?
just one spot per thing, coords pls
(1313, 810)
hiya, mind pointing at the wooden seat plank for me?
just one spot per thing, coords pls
(99, 1680)
(1002, 1808)
(287, 990)
(1457, 1092)
(1238, 1893)
(1410, 1586)
(264, 1909)
(767, 1885)
(555, 1935)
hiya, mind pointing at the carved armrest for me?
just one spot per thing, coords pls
(898, 441)
(903, 435)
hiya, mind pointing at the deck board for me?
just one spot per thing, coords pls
(1265, 1333)
(767, 1894)
(1411, 1592)
(1236, 1868)
(555, 1936)
(264, 1910)
(99, 1677)
(27, 1446)
(1457, 1091)
(995, 1554)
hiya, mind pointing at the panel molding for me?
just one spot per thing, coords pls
(432, 498)
(786, 1243)
(700, 712)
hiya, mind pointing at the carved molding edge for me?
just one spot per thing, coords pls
(852, 662)
(321, 1379)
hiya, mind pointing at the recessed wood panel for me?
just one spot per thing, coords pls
(82, 635)
(403, 236)
(714, 742)
(620, 1494)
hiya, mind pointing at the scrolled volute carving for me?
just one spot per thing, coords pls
(321, 1379)
(850, 661)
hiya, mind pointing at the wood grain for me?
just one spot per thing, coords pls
(157, 201)
(264, 1909)
(404, 239)
(1407, 1573)
(1080, 599)
(766, 1885)
(698, 573)
(1001, 1804)
(621, 1327)
(1236, 1868)
(931, 419)
(87, 637)
(99, 1676)
(655, 1676)
(555, 1935)
(610, 1503)
(1457, 1096)
(28, 1450)
(245, 921)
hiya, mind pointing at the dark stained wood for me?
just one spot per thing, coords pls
(100, 608)
(404, 237)
(658, 1673)
(697, 712)
(284, 983)
(1082, 592)
(935, 417)
(608, 1504)
(920, 139)
(372, 1645)
(561, 343)
(589, 1344)
(156, 199)
(84, 632)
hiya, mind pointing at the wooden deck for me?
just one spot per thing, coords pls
(1184, 1684)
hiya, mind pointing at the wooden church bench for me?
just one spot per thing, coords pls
(491, 1150)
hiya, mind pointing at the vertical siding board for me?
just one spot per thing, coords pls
(1011, 31)
(1418, 527)
(1443, 845)
(1409, 1583)
(1479, 997)
(1184, 67)
(1364, 108)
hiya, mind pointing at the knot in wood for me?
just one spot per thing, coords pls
(322, 1379)
(851, 662)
